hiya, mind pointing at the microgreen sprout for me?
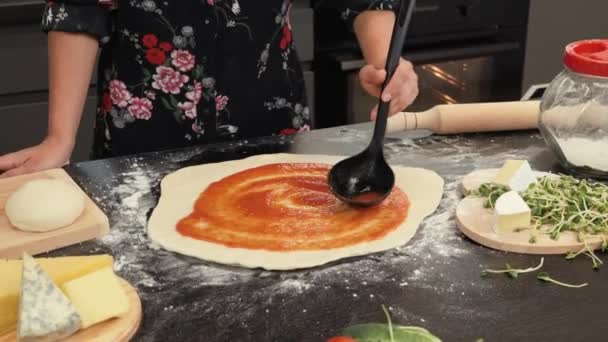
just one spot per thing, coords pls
(544, 276)
(513, 272)
(588, 251)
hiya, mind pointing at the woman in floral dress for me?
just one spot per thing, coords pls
(178, 73)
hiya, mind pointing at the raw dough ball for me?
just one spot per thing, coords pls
(44, 204)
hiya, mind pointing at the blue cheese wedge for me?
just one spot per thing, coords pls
(511, 212)
(516, 174)
(45, 313)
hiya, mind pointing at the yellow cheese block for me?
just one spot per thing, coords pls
(60, 269)
(97, 297)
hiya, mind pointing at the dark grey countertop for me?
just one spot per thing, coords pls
(434, 281)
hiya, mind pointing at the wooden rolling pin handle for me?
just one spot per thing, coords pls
(470, 118)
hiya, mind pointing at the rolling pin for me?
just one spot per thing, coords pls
(469, 118)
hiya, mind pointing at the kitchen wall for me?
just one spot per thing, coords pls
(552, 25)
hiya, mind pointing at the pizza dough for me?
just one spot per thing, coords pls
(43, 205)
(180, 190)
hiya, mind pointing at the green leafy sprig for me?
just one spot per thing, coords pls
(544, 276)
(513, 272)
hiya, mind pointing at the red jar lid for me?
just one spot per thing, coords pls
(589, 57)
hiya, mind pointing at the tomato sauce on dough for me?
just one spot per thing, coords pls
(287, 207)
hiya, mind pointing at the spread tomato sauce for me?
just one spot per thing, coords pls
(287, 207)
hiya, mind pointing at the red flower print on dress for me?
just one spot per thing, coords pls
(196, 128)
(106, 103)
(140, 108)
(165, 46)
(210, 2)
(189, 107)
(196, 93)
(119, 94)
(287, 37)
(304, 128)
(149, 40)
(168, 80)
(155, 56)
(288, 131)
(183, 60)
(221, 101)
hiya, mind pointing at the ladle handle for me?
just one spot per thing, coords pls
(400, 28)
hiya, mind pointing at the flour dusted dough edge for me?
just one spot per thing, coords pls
(180, 190)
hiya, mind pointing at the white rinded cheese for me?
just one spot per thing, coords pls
(516, 174)
(511, 212)
(45, 313)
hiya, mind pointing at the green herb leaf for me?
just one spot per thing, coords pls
(544, 276)
(378, 332)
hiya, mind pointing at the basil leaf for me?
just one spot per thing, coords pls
(377, 332)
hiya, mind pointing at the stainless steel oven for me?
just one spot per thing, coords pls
(463, 51)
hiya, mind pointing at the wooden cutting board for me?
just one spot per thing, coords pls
(13, 242)
(476, 222)
(119, 329)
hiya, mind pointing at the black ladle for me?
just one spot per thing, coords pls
(366, 179)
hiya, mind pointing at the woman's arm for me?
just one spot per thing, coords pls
(374, 29)
(75, 29)
(71, 61)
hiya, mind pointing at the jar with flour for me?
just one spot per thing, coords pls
(574, 110)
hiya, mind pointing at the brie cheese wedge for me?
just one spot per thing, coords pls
(511, 212)
(516, 174)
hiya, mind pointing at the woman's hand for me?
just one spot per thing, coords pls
(401, 91)
(51, 153)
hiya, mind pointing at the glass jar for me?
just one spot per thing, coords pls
(574, 110)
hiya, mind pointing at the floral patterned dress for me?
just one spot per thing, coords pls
(177, 73)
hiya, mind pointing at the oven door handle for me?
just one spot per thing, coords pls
(434, 55)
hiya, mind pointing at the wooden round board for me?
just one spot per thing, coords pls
(117, 329)
(476, 222)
